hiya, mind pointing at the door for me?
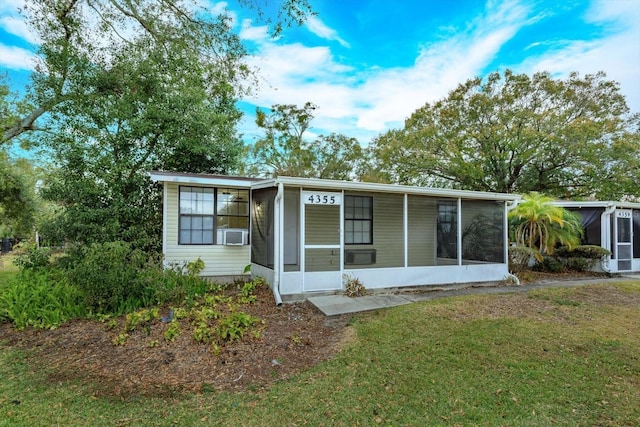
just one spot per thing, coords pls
(624, 252)
(322, 237)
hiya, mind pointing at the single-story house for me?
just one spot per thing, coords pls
(307, 236)
(614, 226)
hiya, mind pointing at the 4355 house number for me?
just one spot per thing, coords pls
(321, 198)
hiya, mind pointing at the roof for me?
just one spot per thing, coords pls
(325, 184)
(329, 184)
(202, 179)
(597, 204)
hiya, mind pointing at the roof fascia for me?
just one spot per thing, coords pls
(200, 180)
(392, 188)
(596, 204)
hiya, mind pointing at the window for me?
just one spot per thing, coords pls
(232, 208)
(199, 221)
(196, 216)
(447, 232)
(358, 220)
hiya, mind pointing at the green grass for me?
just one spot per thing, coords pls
(7, 268)
(552, 357)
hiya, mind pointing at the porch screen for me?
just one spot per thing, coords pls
(447, 231)
(636, 233)
(482, 231)
(262, 244)
(590, 220)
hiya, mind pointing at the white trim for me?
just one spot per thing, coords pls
(303, 232)
(165, 216)
(597, 204)
(405, 226)
(200, 180)
(328, 184)
(386, 188)
(459, 235)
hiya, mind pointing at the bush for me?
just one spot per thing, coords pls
(580, 258)
(40, 299)
(117, 279)
(112, 277)
(33, 258)
(583, 251)
(549, 264)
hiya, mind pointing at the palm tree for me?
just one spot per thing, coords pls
(538, 224)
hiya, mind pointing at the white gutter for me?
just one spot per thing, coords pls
(508, 207)
(605, 233)
(277, 242)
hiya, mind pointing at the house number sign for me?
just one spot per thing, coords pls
(321, 198)
(623, 214)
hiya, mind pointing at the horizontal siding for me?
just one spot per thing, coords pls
(322, 260)
(322, 225)
(388, 231)
(422, 217)
(219, 260)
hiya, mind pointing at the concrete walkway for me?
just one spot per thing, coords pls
(333, 305)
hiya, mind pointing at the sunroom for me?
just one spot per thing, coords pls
(307, 235)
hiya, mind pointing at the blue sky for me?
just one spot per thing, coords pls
(368, 64)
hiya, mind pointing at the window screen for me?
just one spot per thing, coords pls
(358, 220)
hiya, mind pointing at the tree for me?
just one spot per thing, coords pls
(77, 35)
(284, 151)
(18, 205)
(540, 225)
(515, 133)
(123, 87)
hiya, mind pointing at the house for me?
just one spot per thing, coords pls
(305, 235)
(614, 226)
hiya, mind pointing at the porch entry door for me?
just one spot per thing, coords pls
(322, 234)
(624, 249)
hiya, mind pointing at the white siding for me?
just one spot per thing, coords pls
(219, 260)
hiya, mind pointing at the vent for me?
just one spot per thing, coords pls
(233, 237)
(359, 256)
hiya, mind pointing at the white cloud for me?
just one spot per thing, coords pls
(317, 27)
(617, 53)
(17, 27)
(366, 102)
(11, 6)
(16, 58)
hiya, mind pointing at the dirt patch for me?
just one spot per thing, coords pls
(293, 337)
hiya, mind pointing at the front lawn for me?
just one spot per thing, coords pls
(547, 357)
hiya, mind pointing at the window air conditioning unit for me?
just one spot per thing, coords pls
(360, 256)
(235, 237)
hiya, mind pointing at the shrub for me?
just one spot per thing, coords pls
(40, 299)
(110, 276)
(581, 258)
(583, 251)
(549, 264)
(33, 258)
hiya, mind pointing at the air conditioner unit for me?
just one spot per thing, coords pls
(235, 236)
(359, 256)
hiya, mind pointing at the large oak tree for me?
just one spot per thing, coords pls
(572, 137)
